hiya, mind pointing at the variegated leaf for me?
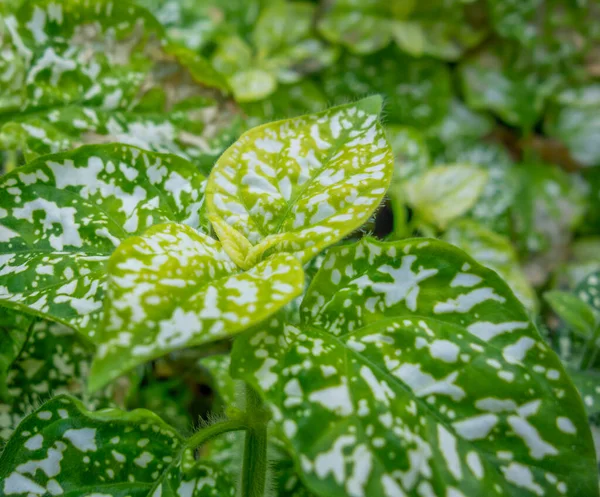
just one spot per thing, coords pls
(99, 71)
(64, 214)
(416, 371)
(14, 330)
(496, 252)
(300, 185)
(54, 360)
(62, 448)
(173, 288)
(588, 290)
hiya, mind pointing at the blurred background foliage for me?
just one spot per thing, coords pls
(492, 108)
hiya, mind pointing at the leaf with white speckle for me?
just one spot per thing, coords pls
(300, 185)
(174, 287)
(14, 330)
(415, 369)
(588, 291)
(64, 448)
(494, 251)
(64, 214)
(54, 359)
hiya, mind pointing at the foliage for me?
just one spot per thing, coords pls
(299, 248)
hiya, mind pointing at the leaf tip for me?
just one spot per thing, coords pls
(371, 105)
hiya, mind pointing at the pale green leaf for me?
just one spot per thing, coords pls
(64, 214)
(174, 287)
(300, 185)
(417, 370)
(62, 448)
(575, 313)
(444, 193)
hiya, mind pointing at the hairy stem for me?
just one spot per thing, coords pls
(254, 468)
(212, 431)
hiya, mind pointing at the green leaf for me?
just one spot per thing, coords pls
(436, 28)
(548, 206)
(417, 370)
(588, 291)
(288, 101)
(64, 448)
(588, 384)
(496, 252)
(283, 49)
(418, 91)
(64, 214)
(573, 119)
(53, 360)
(95, 72)
(300, 185)
(443, 193)
(173, 288)
(363, 27)
(14, 331)
(576, 314)
(218, 367)
(516, 92)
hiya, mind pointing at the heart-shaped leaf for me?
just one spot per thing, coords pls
(63, 215)
(300, 185)
(62, 448)
(416, 371)
(173, 288)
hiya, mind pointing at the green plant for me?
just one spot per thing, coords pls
(211, 286)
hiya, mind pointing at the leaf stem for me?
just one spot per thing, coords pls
(214, 430)
(254, 468)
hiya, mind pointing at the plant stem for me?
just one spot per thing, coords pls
(254, 468)
(212, 431)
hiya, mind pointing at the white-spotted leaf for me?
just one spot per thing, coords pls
(62, 448)
(53, 360)
(174, 287)
(300, 185)
(63, 215)
(416, 371)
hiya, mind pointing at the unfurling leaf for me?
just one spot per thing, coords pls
(416, 371)
(62, 448)
(174, 287)
(300, 185)
(62, 216)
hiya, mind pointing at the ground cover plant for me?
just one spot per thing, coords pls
(276, 248)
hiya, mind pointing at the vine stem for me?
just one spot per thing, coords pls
(254, 467)
(214, 430)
